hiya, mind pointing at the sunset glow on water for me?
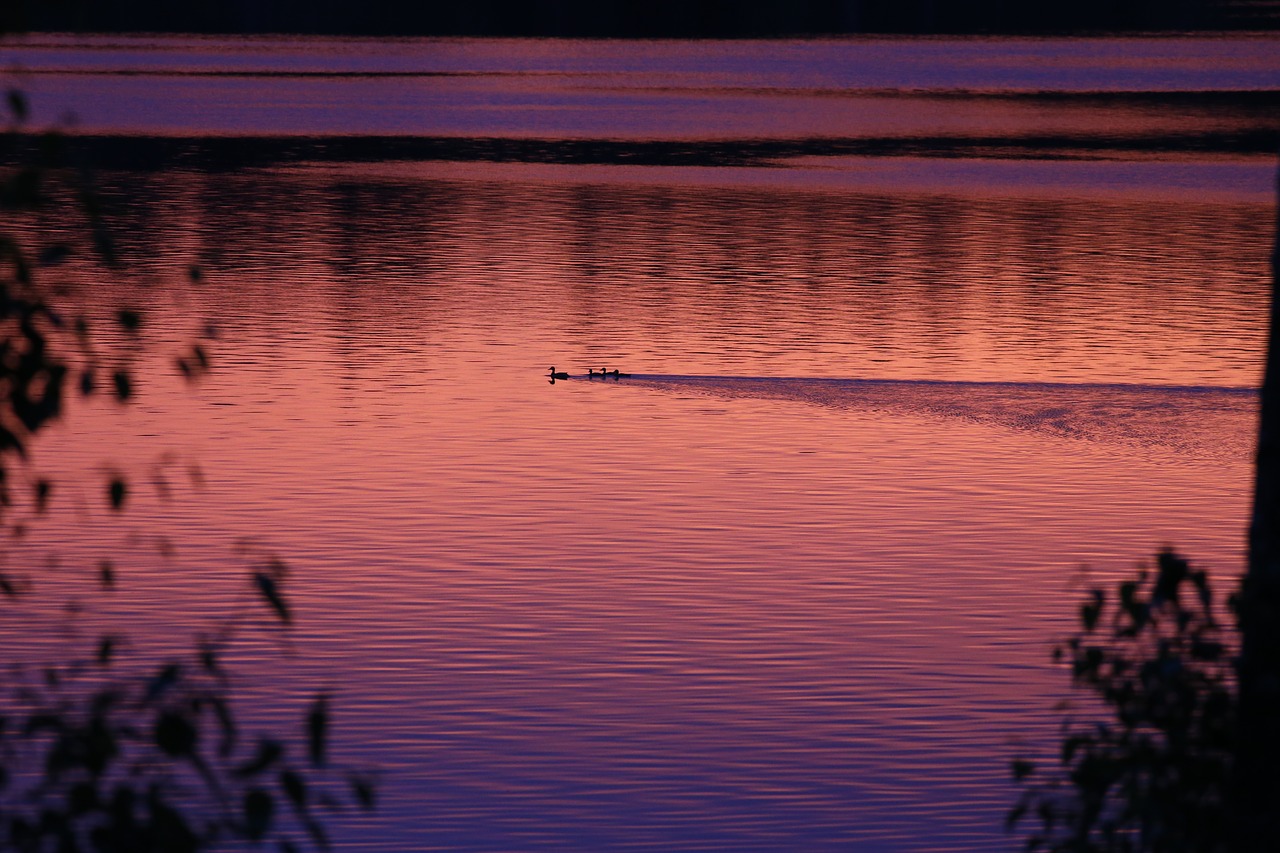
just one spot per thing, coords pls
(791, 585)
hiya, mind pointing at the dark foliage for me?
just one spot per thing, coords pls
(1150, 770)
(104, 749)
(96, 758)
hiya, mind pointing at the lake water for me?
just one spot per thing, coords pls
(924, 336)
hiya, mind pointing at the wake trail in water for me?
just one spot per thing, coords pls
(1202, 422)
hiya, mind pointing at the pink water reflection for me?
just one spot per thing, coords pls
(722, 604)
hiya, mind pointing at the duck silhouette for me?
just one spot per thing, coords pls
(551, 371)
(617, 375)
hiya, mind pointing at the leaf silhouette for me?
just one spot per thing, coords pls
(117, 490)
(124, 386)
(175, 734)
(106, 574)
(270, 590)
(318, 729)
(43, 489)
(258, 809)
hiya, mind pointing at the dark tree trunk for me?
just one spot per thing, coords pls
(1257, 785)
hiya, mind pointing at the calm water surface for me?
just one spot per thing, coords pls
(791, 586)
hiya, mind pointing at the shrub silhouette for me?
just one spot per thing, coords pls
(101, 750)
(1154, 772)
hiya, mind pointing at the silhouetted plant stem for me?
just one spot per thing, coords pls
(1257, 784)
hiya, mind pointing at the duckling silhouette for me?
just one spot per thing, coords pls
(617, 375)
(554, 376)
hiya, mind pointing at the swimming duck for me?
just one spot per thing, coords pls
(617, 375)
(552, 371)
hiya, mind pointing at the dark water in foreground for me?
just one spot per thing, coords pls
(793, 584)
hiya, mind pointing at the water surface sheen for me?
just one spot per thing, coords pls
(792, 584)
(1100, 92)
